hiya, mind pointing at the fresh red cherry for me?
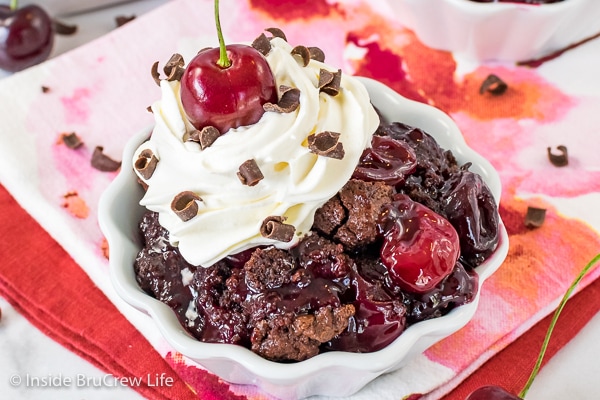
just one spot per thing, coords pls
(227, 97)
(492, 393)
(226, 87)
(420, 247)
(26, 36)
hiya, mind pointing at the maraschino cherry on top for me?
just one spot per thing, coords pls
(226, 87)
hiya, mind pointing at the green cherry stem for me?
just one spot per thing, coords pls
(561, 305)
(14, 4)
(223, 59)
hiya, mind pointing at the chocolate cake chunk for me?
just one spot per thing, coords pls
(323, 257)
(268, 269)
(289, 337)
(363, 201)
(330, 216)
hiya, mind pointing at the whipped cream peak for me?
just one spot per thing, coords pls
(303, 158)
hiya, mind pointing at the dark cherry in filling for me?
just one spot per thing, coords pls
(332, 291)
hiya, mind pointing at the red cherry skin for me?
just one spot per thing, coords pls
(26, 37)
(420, 247)
(491, 393)
(229, 97)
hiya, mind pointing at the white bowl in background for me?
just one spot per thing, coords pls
(333, 373)
(498, 31)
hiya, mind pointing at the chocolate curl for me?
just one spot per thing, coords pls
(535, 217)
(494, 85)
(174, 67)
(316, 54)
(262, 44)
(146, 163)
(276, 32)
(249, 173)
(304, 54)
(206, 137)
(185, 205)
(329, 82)
(102, 162)
(71, 140)
(289, 101)
(60, 28)
(121, 20)
(559, 160)
(274, 228)
(326, 144)
(154, 73)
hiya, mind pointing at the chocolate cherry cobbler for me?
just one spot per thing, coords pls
(293, 220)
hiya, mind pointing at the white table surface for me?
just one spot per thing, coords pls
(572, 374)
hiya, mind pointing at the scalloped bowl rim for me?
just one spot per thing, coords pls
(495, 31)
(376, 363)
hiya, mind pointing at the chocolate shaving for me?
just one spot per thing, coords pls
(102, 162)
(329, 82)
(289, 101)
(149, 109)
(326, 144)
(185, 205)
(45, 89)
(121, 20)
(276, 32)
(205, 137)
(316, 54)
(155, 74)
(535, 217)
(494, 85)
(559, 160)
(146, 163)
(61, 28)
(249, 173)
(274, 228)
(262, 44)
(71, 140)
(174, 67)
(303, 52)
(143, 184)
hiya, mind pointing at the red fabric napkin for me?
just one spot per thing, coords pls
(84, 321)
(517, 360)
(80, 318)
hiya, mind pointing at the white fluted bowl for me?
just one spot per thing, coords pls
(333, 373)
(498, 31)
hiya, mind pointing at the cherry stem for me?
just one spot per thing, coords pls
(14, 4)
(561, 305)
(223, 59)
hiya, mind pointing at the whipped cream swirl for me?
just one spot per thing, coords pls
(296, 181)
